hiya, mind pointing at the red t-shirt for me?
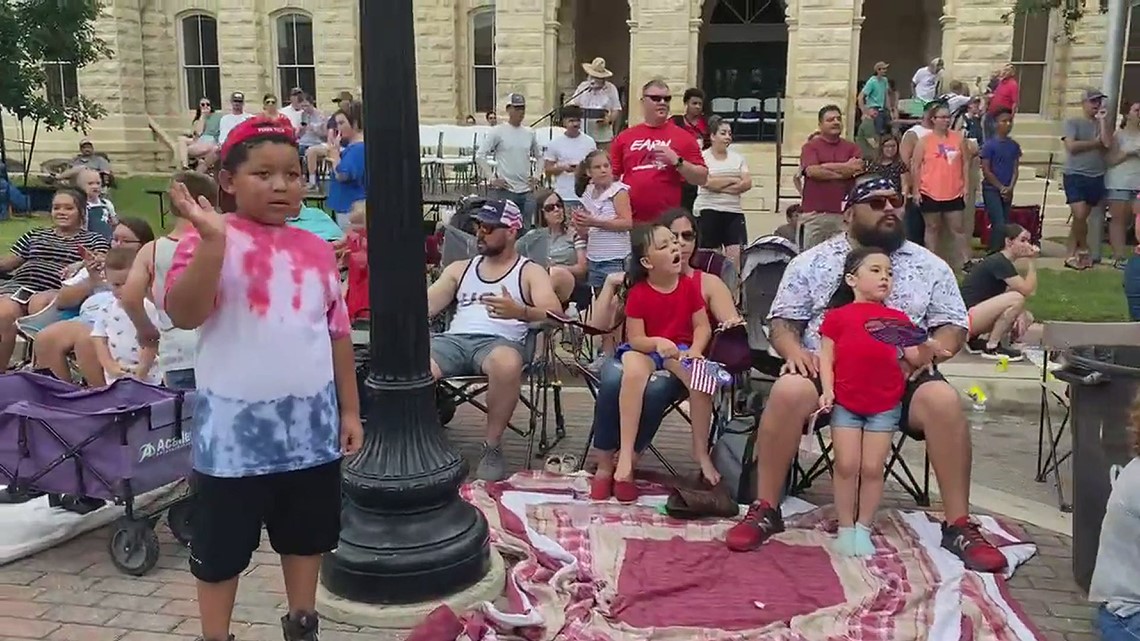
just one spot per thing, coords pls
(666, 315)
(1005, 95)
(356, 258)
(653, 188)
(826, 196)
(868, 377)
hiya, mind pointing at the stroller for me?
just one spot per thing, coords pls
(763, 263)
(109, 444)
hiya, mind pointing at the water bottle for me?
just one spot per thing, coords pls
(573, 335)
(977, 407)
(572, 312)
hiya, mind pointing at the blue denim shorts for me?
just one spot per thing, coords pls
(1115, 628)
(1122, 195)
(1083, 189)
(599, 269)
(658, 360)
(887, 421)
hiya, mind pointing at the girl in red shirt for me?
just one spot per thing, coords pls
(665, 322)
(863, 387)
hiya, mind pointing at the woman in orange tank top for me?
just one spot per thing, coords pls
(940, 168)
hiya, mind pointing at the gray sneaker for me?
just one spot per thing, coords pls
(492, 466)
(305, 627)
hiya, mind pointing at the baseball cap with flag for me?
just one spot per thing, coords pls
(255, 127)
(500, 213)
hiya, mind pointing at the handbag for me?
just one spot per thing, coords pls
(734, 457)
(701, 501)
(729, 347)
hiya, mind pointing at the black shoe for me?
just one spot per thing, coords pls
(999, 352)
(976, 345)
(15, 497)
(303, 627)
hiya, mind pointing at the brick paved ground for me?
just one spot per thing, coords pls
(73, 593)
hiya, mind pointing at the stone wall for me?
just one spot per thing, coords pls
(822, 56)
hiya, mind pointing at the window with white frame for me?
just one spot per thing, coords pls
(200, 60)
(1031, 37)
(296, 64)
(62, 85)
(1130, 80)
(483, 60)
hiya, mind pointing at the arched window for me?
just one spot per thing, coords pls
(200, 60)
(1130, 85)
(1031, 38)
(483, 60)
(296, 65)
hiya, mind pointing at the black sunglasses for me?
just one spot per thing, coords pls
(204, 104)
(879, 203)
(658, 98)
(687, 236)
(552, 206)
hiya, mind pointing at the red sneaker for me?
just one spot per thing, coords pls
(760, 523)
(625, 491)
(964, 539)
(601, 488)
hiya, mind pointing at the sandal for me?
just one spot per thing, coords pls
(570, 464)
(625, 491)
(554, 464)
(1075, 263)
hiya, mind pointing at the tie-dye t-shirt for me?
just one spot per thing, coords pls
(267, 399)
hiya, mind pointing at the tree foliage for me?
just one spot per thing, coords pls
(1071, 11)
(35, 31)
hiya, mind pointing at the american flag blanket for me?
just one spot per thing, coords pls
(600, 571)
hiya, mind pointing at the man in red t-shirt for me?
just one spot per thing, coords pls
(656, 157)
(830, 165)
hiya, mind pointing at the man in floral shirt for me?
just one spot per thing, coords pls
(926, 291)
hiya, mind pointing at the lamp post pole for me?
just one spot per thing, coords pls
(1117, 19)
(406, 535)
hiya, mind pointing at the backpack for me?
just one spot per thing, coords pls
(734, 457)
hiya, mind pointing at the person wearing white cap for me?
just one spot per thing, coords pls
(513, 148)
(926, 80)
(599, 100)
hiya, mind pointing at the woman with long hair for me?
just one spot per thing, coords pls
(1122, 182)
(566, 253)
(940, 166)
(887, 163)
(718, 204)
(196, 144)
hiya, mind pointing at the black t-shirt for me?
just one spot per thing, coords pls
(987, 279)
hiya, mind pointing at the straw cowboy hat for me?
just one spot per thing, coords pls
(597, 68)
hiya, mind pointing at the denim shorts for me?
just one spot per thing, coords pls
(1122, 195)
(658, 359)
(887, 421)
(1083, 189)
(599, 269)
(1116, 628)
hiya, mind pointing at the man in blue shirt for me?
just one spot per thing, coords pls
(1000, 157)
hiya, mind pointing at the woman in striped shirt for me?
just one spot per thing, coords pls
(39, 258)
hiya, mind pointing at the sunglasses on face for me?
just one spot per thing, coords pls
(487, 228)
(549, 207)
(879, 203)
(658, 99)
(204, 104)
(270, 102)
(687, 236)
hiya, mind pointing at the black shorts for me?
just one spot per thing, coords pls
(716, 229)
(931, 206)
(908, 394)
(300, 510)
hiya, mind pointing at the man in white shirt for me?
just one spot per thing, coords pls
(512, 146)
(599, 100)
(295, 108)
(925, 80)
(236, 116)
(565, 152)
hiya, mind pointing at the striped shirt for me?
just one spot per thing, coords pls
(602, 244)
(46, 252)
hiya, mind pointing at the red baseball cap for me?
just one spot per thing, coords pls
(257, 126)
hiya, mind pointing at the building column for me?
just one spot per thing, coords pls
(665, 49)
(950, 51)
(520, 53)
(550, 64)
(633, 113)
(694, 45)
(820, 53)
(853, 72)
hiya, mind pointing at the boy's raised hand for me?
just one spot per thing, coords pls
(209, 223)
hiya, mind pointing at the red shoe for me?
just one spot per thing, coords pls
(625, 491)
(760, 523)
(964, 539)
(601, 488)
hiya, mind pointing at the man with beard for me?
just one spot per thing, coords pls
(496, 294)
(926, 291)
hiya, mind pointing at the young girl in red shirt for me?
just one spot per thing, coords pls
(665, 322)
(863, 385)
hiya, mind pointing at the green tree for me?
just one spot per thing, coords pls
(1071, 11)
(35, 31)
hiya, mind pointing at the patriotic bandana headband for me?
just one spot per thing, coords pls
(861, 192)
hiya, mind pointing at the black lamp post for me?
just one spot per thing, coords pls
(406, 535)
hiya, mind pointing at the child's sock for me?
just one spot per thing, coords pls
(845, 541)
(862, 543)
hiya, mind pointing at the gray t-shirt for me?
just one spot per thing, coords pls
(512, 148)
(1125, 174)
(1114, 580)
(1085, 163)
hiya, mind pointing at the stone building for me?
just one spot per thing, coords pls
(470, 53)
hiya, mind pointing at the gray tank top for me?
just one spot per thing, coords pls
(163, 258)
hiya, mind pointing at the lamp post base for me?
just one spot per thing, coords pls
(409, 615)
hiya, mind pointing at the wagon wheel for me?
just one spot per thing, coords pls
(179, 519)
(133, 547)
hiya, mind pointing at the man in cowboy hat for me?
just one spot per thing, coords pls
(598, 98)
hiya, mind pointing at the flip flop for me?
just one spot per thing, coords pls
(554, 464)
(1074, 264)
(570, 464)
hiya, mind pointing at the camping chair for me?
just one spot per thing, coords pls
(1058, 337)
(28, 327)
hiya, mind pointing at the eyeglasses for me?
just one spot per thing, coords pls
(203, 104)
(657, 99)
(551, 207)
(270, 102)
(879, 203)
(687, 236)
(488, 228)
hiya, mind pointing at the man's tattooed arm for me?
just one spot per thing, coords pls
(786, 335)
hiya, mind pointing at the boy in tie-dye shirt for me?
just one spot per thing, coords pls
(278, 404)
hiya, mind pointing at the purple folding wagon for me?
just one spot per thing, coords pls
(113, 443)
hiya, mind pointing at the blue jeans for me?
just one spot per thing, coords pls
(1114, 628)
(1132, 287)
(997, 211)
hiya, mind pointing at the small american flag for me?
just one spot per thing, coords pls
(705, 375)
